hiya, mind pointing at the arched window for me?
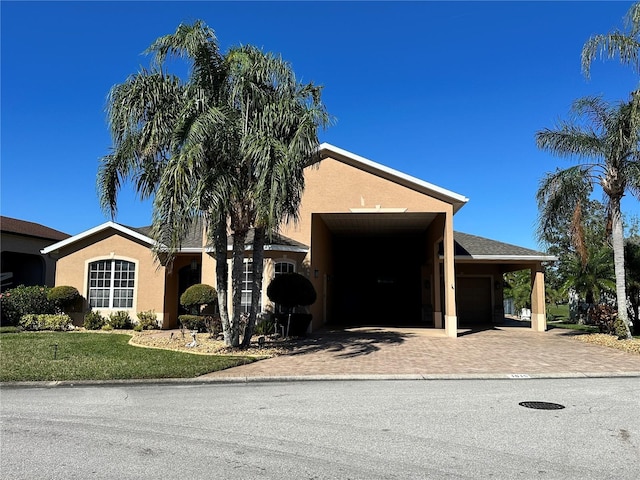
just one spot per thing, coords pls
(281, 267)
(284, 266)
(111, 284)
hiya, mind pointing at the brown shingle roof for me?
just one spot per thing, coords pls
(472, 245)
(31, 229)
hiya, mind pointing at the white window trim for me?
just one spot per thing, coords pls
(112, 257)
(283, 260)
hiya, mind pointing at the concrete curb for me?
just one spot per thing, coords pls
(314, 378)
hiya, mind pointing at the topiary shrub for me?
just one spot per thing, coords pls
(120, 320)
(64, 298)
(19, 301)
(197, 296)
(94, 321)
(291, 290)
(147, 320)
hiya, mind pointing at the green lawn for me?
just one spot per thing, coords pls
(559, 312)
(95, 356)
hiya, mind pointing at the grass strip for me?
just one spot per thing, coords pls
(51, 356)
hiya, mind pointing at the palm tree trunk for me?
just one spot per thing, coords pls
(222, 276)
(617, 239)
(256, 287)
(237, 266)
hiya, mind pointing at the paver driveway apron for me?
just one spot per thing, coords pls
(499, 351)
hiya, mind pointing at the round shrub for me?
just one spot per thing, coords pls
(198, 295)
(64, 297)
(291, 290)
(94, 321)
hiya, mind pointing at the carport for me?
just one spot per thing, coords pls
(379, 268)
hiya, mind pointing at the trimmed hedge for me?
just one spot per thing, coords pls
(57, 322)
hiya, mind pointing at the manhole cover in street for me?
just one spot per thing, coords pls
(542, 405)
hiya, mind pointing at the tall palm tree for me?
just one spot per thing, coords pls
(624, 45)
(602, 136)
(214, 147)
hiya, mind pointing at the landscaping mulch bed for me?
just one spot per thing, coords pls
(632, 346)
(205, 345)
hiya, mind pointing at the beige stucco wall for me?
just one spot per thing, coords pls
(335, 187)
(73, 264)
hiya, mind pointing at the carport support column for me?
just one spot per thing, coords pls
(437, 311)
(450, 317)
(538, 308)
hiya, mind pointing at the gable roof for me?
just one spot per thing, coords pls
(30, 229)
(326, 150)
(472, 247)
(192, 243)
(100, 228)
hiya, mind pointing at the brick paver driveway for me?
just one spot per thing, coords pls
(496, 352)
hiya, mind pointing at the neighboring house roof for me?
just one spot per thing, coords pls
(458, 201)
(30, 229)
(472, 247)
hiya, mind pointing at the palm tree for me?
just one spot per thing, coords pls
(616, 43)
(603, 136)
(213, 147)
(592, 279)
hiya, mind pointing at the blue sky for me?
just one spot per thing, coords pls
(449, 92)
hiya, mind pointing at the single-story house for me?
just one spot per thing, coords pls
(20, 258)
(377, 244)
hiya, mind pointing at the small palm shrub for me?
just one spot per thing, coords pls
(147, 320)
(119, 320)
(94, 321)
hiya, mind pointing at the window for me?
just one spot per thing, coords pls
(247, 282)
(111, 284)
(284, 267)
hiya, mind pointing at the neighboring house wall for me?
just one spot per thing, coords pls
(20, 245)
(149, 289)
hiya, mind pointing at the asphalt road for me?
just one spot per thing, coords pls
(324, 430)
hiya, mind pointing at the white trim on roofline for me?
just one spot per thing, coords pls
(538, 258)
(94, 230)
(455, 199)
(268, 248)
